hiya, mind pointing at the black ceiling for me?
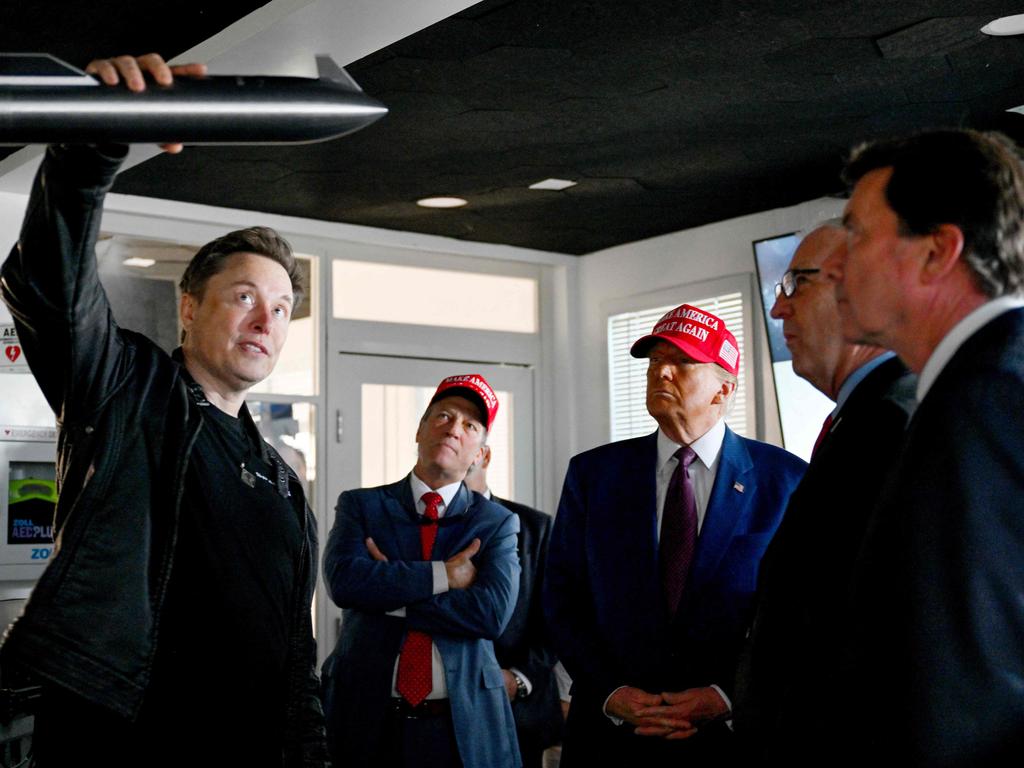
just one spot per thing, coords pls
(668, 114)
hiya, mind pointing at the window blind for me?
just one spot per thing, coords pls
(627, 375)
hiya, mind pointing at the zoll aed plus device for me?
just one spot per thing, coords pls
(45, 101)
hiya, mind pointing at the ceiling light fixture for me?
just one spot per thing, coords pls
(135, 261)
(554, 184)
(441, 202)
(1005, 26)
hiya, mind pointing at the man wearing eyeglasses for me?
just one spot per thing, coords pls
(806, 571)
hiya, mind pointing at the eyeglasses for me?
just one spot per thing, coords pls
(787, 286)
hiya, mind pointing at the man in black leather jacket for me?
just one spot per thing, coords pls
(172, 625)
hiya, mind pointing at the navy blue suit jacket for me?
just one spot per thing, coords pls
(938, 603)
(462, 622)
(603, 596)
(789, 660)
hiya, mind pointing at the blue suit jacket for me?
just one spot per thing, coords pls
(462, 622)
(603, 595)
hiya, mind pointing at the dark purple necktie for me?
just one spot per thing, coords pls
(678, 531)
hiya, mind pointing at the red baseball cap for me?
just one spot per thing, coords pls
(700, 334)
(474, 387)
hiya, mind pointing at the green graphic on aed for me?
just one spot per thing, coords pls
(30, 508)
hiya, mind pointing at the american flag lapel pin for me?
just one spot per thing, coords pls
(738, 486)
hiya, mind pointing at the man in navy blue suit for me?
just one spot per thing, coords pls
(934, 269)
(427, 574)
(654, 555)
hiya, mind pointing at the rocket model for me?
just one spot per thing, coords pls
(45, 101)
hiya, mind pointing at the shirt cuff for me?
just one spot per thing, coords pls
(524, 678)
(399, 612)
(727, 703)
(440, 576)
(604, 708)
(725, 698)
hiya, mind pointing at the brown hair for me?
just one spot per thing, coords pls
(262, 241)
(970, 179)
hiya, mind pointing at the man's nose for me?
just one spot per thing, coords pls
(781, 308)
(663, 370)
(260, 317)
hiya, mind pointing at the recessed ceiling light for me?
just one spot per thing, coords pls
(135, 261)
(554, 184)
(441, 202)
(1005, 26)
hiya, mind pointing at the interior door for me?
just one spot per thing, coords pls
(374, 405)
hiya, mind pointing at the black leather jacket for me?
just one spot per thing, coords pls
(127, 424)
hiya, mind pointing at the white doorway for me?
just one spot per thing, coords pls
(374, 405)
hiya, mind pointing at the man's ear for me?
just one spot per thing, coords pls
(945, 248)
(187, 310)
(723, 393)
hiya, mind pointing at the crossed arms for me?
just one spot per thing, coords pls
(362, 572)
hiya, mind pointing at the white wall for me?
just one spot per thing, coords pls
(573, 395)
(677, 259)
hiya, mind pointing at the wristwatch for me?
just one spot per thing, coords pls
(520, 685)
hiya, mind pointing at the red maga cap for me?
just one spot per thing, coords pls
(474, 387)
(699, 334)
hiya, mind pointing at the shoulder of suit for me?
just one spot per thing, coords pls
(526, 513)
(766, 455)
(617, 449)
(482, 507)
(376, 491)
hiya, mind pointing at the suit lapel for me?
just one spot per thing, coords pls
(728, 506)
(401, 511)
(449, 530)
(635, 531)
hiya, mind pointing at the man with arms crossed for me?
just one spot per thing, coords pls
(413, 680)
(791, 654)
(654, 556)
(933, 269)
(172, 626)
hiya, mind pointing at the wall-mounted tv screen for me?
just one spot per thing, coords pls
(802, 408)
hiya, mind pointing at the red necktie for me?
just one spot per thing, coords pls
(414, 668)
(825, 427)
(678, 538)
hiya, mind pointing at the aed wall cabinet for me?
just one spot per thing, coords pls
(28, 496)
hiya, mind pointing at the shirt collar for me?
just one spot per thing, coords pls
(419, 488)
(855, 378)
(959, 333)
(707, 446)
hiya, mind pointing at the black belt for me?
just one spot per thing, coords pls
(426, 708)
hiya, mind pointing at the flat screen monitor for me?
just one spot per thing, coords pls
(802, 408)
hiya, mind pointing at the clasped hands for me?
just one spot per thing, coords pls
(459, 567)
(667, 715)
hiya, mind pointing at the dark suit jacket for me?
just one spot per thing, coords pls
(525, 644)
(602, 594)
(462, 622)
(786, 678)
(938, 611)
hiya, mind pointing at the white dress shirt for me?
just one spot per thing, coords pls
(702, 471)
(439, 687)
